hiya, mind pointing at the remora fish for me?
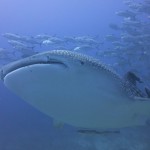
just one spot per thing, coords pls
(76, 89)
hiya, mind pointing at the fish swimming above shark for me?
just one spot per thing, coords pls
(78, 90)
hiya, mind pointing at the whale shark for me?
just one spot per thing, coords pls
(77, 89)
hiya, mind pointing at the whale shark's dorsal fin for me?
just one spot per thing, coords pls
(132, 78)
(130, 84)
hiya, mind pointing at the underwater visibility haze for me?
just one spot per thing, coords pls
(82, 66)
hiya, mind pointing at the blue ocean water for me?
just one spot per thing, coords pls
(23, 127)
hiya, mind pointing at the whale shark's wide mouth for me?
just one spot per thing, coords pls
(24, 63)
(57, 57)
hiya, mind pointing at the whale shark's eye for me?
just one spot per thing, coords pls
(82, 63)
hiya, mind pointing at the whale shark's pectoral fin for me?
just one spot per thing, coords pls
(57, 123)
(141, 106)
(91, 132)
(142, 98)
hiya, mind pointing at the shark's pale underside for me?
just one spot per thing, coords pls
(77, 90)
